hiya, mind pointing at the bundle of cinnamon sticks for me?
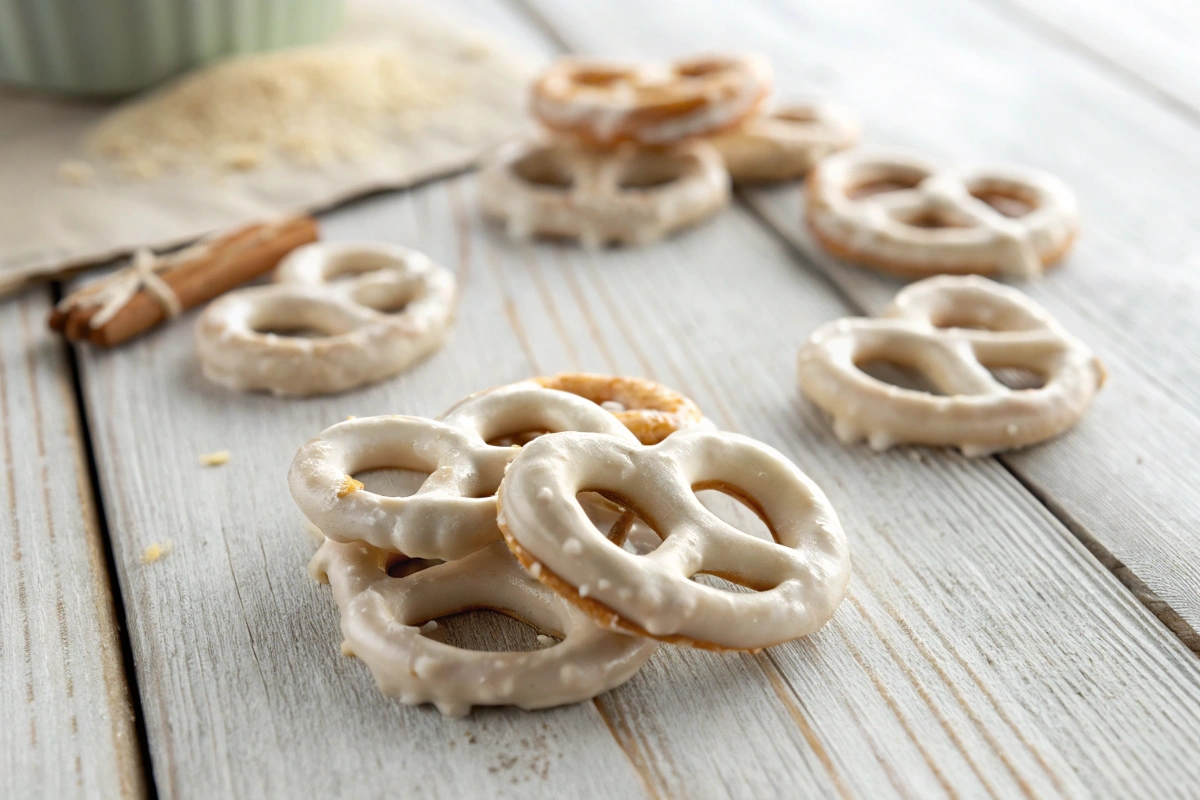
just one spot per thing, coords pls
(122, 306)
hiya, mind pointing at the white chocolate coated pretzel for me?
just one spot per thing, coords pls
(653, 103)
(360, 344)
(784, 143)
(549, 187)
(901, 212)
(454, 512)
(801, 577)
(380, 615)
(932, 326)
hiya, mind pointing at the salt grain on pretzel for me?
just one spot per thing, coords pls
(394, 309)
(952, 329)
(547, 186)
(785, 143)
(901, 212)
(800, 578)
(383, 618)
(607, 103)
(454, 512)
(648, 409)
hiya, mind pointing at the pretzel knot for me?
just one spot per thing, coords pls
(800, 577)
(453, 513)
(549, 187)
(952, 329)
(784, 143)
(650, 104)
(393, 310)
(380, 615)
(903, 213)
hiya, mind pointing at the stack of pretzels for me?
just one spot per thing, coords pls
(569, 503)
(631, 152)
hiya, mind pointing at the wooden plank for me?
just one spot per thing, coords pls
(981, 647)
(1151, 44)
(1122, 479)
(68, 728)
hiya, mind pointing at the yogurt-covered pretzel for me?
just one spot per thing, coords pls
(653, 103)
(381, 615)
(454, 512)
(363, 339)
(651, 411)
(801, 577)
(934, 327)
(901, 212)
(547, 186)
(784, 143)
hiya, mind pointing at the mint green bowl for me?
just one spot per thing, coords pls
(113, 47)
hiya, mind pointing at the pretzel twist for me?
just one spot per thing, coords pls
(361, 344)
(901, 212)
(546, 186)
(801, 577)
(785, 143)
(454, 512)
(380, 616)
(931, 326)
(649, 104)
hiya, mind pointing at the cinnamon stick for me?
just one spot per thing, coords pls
(217, 266)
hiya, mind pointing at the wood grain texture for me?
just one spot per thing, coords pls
(1121, 479)
(67, 727)
(982, 651)
(1151, 44)
(982, 648)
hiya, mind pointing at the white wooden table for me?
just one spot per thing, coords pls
(1020, 626)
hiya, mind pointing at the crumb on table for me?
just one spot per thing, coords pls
(156, 551)
(214, 459)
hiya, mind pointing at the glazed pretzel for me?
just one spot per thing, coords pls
(360, 344)
(547, 186)
(784, 143)
(651, 411)
(650, 104)
(454, 512)
(930, 326)
(801, 577)
(380, 615)
(903, 213)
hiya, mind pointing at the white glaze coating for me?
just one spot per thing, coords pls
(803, 577)
(654, 103)
(978, 414)
(454, 512)
(875, 229)
(595, 208)
(382, 618)
(361, 345)
(784, 143)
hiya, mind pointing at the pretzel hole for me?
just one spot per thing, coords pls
(386, 299)
(519, 439)
(735, 510)
(895, 373)
(400, 566)
(305, 320)
(391, 482)
(934, 220)
(544, 168)
(802, 116)
(598, 77)
(652, 170)
(1008, 200)
(701, 68)
(1017, 378)
(893, 180)
(623, 527)
(487, 630)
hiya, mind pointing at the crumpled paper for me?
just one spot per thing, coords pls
(49, 224)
